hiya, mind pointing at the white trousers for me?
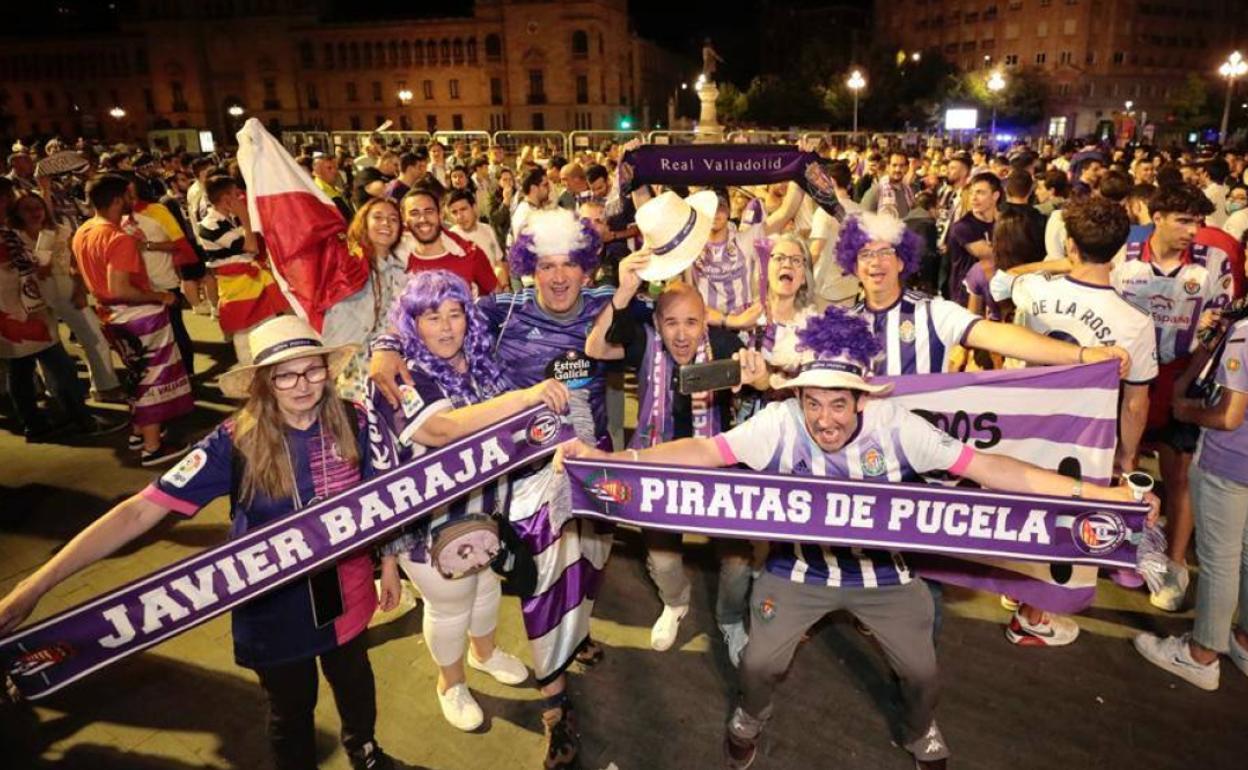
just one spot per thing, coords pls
(454, 608)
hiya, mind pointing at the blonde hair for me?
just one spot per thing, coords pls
(260, 437)
(803, 299)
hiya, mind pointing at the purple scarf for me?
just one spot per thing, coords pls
(654, 385)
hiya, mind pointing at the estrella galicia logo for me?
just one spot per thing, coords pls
(542, 429)
(31, 663)
(1099, 532)
(607, 489)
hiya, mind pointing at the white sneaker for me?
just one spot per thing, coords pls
(735, 637)
(1051, 631)
(1237, 654)
(663, 633)
(1173, 590)
(460, 708)
(504, 667)
(1174, 655)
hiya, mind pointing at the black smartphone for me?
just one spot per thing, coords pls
(327, 602)
(713, 375)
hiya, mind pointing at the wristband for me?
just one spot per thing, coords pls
(389, 342)
(1081, 349)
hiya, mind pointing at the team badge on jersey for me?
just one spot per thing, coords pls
(1191, 287)
(906, 331)
(767, 608)
(181, 474)
(873, 462)
(1232, 364)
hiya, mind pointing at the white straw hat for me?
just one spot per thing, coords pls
(675, 230)
(839, 373)
(281, 339)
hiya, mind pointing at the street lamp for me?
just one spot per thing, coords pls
(856, 83)
(1233, 67)
(117, 113)
(235, 110)
(405, 96)
(916, 56)
(996, 82)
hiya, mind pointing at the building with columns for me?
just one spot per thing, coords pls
(1097, 55)
(508, 64)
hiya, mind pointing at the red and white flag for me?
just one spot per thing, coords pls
(304, 235)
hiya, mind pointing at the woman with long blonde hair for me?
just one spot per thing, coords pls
(291, 444)
(373, 235)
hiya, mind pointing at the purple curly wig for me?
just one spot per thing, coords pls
(557, 231)
(861, 229)
(427, 290)
(836, 333)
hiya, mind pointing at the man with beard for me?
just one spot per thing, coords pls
(435, 248)
(890, 193)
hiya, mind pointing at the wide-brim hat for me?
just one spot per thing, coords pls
(675, 230)
(281, 339)
(832, 374)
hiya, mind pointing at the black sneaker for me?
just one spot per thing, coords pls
(161, 454)
(135, 442)
(562, 741)
(371, 757)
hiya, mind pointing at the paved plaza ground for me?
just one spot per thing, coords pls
(184, 704)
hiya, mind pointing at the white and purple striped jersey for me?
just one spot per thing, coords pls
(727, 274)
(919, 332)
(1173, 300)
(1089, 315)
(890, 444)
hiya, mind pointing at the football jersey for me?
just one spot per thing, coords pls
(529, 339)
(1225, 452)
(1174, 300)
(918, 332)
(1088, 315)
(392, 442)
(891, 443)
(727, 274)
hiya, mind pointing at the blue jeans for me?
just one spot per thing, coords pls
(1221, 512)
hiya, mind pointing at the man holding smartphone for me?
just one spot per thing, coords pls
(680, 339)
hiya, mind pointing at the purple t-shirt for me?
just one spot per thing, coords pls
(976, 284)
(532, 339)
(1225, 452)
(967, 230)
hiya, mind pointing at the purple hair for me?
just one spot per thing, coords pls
(522, 257)
(836, 332)
(427, 290)
(853, 238)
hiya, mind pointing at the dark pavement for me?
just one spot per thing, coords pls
(184, 704)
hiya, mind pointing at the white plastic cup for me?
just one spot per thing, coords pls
(1140, 483)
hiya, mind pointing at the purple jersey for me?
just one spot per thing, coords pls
(1225, 452)
(976, 284)
(530, 339)
(891, 444)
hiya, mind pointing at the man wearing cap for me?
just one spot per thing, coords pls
(832, 428)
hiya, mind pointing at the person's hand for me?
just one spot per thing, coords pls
(385, 368)
(17, 606)
(551, 392)
(957, 359)
(630, 145)
(1209, 318)
(1154, 509)
(576, 449)
(391, 587)
(746, 318)
(1104, 353)
(753, 367)
(629, 280)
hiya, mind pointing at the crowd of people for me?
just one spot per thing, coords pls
(484, 269)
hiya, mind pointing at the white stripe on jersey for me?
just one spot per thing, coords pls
(892, 341)
(922, 343)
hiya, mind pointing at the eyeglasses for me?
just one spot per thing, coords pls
(288, 380)
(867, 256)
(788, 259)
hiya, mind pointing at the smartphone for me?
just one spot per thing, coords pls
(327, 602)
(713, 375)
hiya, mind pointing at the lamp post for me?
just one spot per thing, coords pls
(996, 82)
(235, 110)
(405, 97)
(674, 105)
(117, 113)
(856, 83)
(1233, 67)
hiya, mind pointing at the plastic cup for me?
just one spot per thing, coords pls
(1140, 483)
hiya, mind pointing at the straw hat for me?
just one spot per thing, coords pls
(675, 230)
(836, 373)
(281, 339)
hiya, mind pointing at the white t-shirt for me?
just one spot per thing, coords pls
(1216, 193)
(1236, 224)
(832, 285)
(484, 237)
(520, 218)
(1088, 315)
(1055, 236)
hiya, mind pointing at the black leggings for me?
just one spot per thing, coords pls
(292, 691)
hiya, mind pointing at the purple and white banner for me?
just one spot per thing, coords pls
(1063, 418)
(922, 518)
(47, 656)
(721, 165)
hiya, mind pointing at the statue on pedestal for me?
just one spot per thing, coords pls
(710, 60)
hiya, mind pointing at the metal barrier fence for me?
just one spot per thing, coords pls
(588, 141)
(449, 138)
(672, 137)
(353, 141)
(763, 137)
(294, 141)
(556, 142)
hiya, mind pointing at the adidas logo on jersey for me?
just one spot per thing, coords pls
(534, 333)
